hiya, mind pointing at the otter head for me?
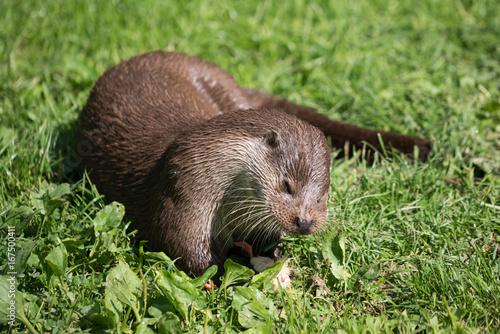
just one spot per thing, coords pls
(297, 189)
(283, 185)
(253, 176)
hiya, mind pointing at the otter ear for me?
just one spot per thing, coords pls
(272, 139)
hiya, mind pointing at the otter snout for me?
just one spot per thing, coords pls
(303, 226)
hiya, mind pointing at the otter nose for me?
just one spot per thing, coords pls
(303, 225)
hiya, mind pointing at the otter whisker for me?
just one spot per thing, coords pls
(251, 210)
(242, 220)
(265, 234)
(263, 225)
(256, 222)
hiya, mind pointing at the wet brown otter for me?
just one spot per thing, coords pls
(200, 162)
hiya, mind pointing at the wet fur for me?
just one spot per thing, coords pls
(200, 162)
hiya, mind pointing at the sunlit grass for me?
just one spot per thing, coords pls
(421, 240)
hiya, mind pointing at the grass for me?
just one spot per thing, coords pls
(409, 247)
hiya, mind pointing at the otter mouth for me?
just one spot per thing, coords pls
(245, 216)
(240, 254)
(263, 245)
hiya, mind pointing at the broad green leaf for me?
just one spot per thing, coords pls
(434, 324)
(124, 284)
(262, 329)
(23, 252)
(57, 259)
(155, 312)
(122, 287)
(235, 273)
(334, 248)
(158, 257)
(199, 282)
(18, 218)
(11, 303)
(49, 197)
(169, 323)
(253, 307)
(17, 251)
(114, 308)
(334, 251)
(143, 329)
(108, 218)
(58, 191)
(267, 276)
(159, 306)
(106, 321)
(179, 290)
(366, 277)
(339, 272)
(8, 302)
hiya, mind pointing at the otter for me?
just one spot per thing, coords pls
(200, 163)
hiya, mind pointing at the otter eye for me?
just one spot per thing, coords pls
(287, 188)
(320, 199)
